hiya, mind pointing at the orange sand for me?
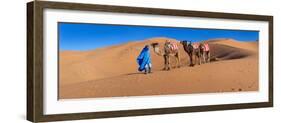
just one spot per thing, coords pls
(112, 71)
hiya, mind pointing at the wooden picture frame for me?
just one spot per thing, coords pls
(35, 70)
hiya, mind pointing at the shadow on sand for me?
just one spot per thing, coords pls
(134, 73)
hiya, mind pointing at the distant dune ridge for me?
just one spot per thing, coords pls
(112, 71)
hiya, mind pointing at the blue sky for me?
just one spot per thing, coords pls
(80, 36)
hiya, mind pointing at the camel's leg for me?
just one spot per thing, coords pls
(195, 59)
(201, 58)
(204, 57)
(169, 65)
(165, 62)
(198, 58)
(178, 60)
(176, 64)
(190, 59)
(209, 56)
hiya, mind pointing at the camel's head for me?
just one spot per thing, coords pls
(184, 42)
(156, 48)
(155, 45)
(201, 46)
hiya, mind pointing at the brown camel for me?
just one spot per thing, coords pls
(170, 49)
(206, 52)
(194, 50)
(188, 48)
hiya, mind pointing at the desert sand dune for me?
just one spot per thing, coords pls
(251, 45)
(112, 71)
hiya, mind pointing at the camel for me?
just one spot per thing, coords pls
(188, 48)
(199, 52)
(192, 50)
(206, 52)
(170, 49)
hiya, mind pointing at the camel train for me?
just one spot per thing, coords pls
(199, 50)
(198, 53)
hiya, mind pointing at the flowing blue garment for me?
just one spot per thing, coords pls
(144, 58)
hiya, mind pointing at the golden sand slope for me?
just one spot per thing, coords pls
(112, 71)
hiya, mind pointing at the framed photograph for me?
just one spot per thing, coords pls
(90, 61)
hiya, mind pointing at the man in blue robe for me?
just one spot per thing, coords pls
(144, 60)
